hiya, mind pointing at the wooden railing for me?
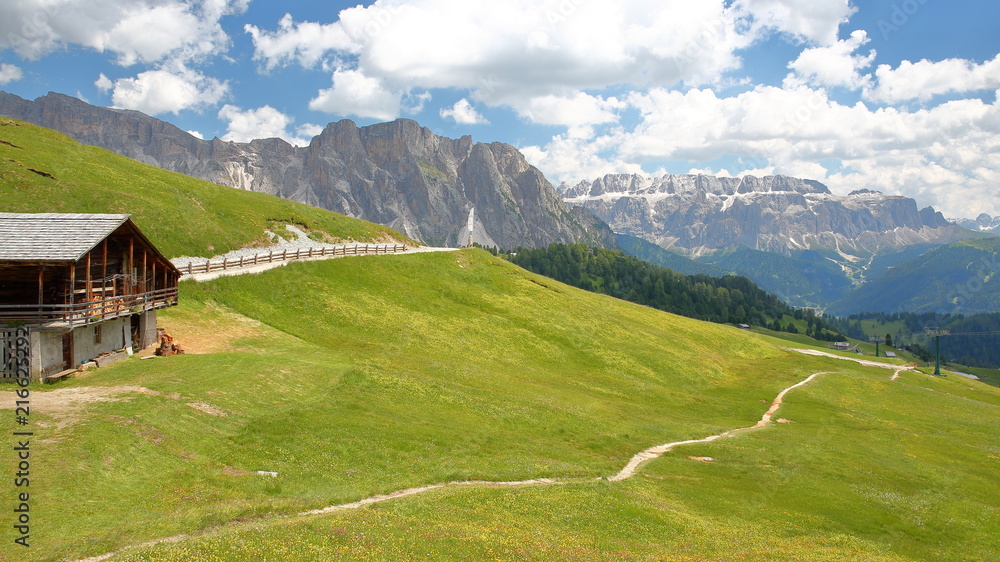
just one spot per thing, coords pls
(79, 314)
(275, 256)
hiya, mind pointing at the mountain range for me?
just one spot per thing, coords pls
(398, 174)
(791, 236)
(982, 223)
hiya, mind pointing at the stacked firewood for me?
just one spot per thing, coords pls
(168, 347)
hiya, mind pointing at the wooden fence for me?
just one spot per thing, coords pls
(285, 254)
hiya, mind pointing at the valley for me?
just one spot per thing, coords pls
(338, 382)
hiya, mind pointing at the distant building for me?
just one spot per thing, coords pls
(743, 326)
(842, 345)
(82, 285)
(890, 353)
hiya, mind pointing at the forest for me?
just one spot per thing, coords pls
(728, 299)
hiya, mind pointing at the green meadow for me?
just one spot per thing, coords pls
(324, 383)
(363, 376)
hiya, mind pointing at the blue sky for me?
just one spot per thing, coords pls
(898, 96)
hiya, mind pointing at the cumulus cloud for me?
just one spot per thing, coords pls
(835, 65)
(156, 92)
(572, 158)
(103, 83)
(925, 79)
(463, 113)
(143, 31)
(942, 156)
(261, 123)
(534, 55)
(574, 110)
(307, 132)
(305, 43)
(264, 123)
(353, 93)
(816, 21)
(10, 73)
(513, 51)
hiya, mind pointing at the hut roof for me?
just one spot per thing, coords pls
(58, 237)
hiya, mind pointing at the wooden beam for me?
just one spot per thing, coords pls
(145, 279)
(41, 285)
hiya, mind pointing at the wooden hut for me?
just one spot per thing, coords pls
(83, 285)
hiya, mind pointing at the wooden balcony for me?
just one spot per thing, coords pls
(69, 316)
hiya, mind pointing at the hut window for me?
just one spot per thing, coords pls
(97, 334)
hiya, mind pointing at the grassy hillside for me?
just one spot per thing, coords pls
(959, 278)
(361, 376)
(44, 171)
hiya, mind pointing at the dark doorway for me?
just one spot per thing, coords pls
(136, 333)
(68, 350)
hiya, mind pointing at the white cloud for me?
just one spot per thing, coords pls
(572, 111)
(196, 135)
(817, 21)
(136, 30)
(535, 55)
(941, 156)
(572, 158)
(10, 73)
(103, 83)
(305, 43)
(511, 52)
(925, 79)
(307, 131)
(264, 123)
(836, 65)
(261, 123)
(353, 93)
(168, 91)
(463, 113)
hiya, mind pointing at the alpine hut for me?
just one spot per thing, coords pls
(77, 286)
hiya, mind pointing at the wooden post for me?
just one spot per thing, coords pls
(131, 267)
(89, 285)
(72, 290)
(145, 280)
(41, 290)
(104, 278)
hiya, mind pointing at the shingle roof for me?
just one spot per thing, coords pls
(53, 236)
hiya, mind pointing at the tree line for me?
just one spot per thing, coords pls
(728, 299)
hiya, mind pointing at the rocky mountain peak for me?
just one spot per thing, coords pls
(399, 173)
(698, 214)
